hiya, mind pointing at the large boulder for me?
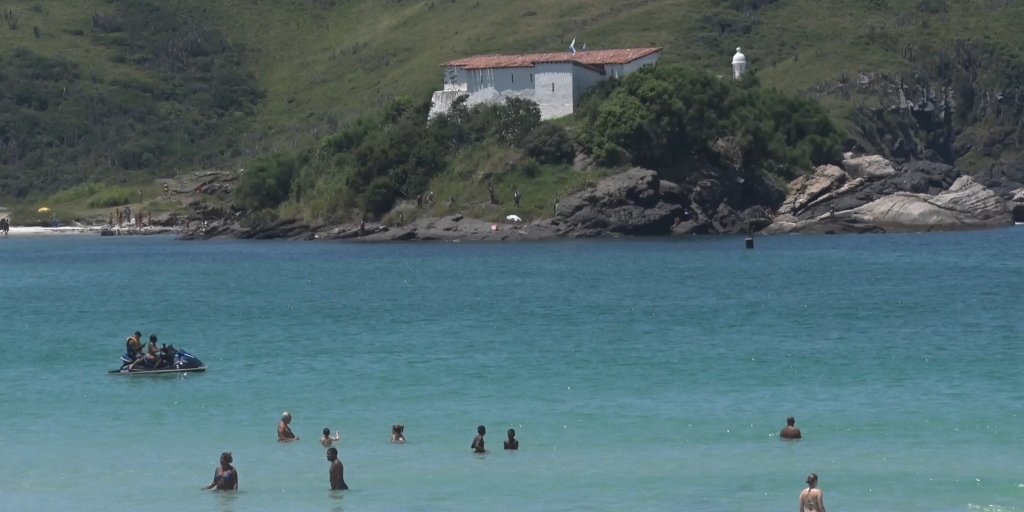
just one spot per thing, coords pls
(967, 204)
(806, 189)
(871, 167)
(628, 203)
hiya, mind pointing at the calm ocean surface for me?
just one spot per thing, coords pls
(639, 375)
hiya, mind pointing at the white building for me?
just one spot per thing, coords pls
(555, 81)
(739, 64)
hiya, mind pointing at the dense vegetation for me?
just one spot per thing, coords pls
(665, 117)
(394, 154)
(124, 90)
(183, 103)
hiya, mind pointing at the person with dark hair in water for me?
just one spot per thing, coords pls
(478, 441)
(225, 477)
(326, 441)
(337, 471)
(511, 443)
(811, 499)
(790, 431)
(397, 433)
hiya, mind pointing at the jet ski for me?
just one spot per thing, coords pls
(172, 360)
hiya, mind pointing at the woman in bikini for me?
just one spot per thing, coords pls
(225, 477)
(811, 499)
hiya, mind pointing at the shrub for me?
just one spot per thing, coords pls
(550, 144)
(110, 197)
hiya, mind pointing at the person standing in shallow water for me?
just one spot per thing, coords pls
(478, 441)
(326, 441)
(284, 432)
(225, 477)
(397, 433)
(511, 443)
(337, 471)
(790, 431)
(811, 499)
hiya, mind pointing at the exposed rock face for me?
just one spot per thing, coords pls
(922, 196)
(870, 167)
(628, 203)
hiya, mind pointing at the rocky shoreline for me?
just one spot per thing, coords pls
(864, 194)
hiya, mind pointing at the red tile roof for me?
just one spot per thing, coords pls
(587, 58)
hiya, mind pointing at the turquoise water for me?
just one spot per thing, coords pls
(639, 375)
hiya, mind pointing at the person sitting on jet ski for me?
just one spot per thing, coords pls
(133, 346)
(152, 357)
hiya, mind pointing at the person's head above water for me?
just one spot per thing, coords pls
(152, 338)
(225, 458)
(812, 479)
(397, 429)
(511, 433)
(286, 417)
(790, 421)
(332, 453)
(481, 430)
(327, 432)
(138, 335)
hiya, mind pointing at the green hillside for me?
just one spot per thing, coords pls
(128, 90)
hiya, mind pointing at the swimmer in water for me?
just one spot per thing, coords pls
(811, 499)
(478, 441)
(326, 441)
(225, 477)
(511, 443)
(790, 431)
(284, 432)
(397, 433)
(337, 471)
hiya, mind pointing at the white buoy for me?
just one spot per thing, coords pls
(739, 64)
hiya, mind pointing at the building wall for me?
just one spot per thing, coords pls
(554, 90)
(556, 87)
(583, 79)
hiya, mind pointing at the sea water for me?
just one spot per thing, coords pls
(638, 374)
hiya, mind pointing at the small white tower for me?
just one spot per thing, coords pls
(739, 64)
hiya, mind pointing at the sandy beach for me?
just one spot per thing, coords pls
(22, 231)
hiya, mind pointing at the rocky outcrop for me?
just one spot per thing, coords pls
(921, 196)
(871, 167)
(628, 203)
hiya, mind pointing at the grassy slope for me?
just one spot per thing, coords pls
(321, 63)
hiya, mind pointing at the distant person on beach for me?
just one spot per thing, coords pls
(284, 432)
(511, 443)
(337, 471)
(478, 441)
(397, 433)
(326, 441)
(811, 499)
(110, 220)
(225, 477)
(790, 431)
(119, 218)
(5, 225)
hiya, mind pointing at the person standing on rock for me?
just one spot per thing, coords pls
(515, 197)
(790, 431)
(419, 201)
(430, 198)
(362, 227)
